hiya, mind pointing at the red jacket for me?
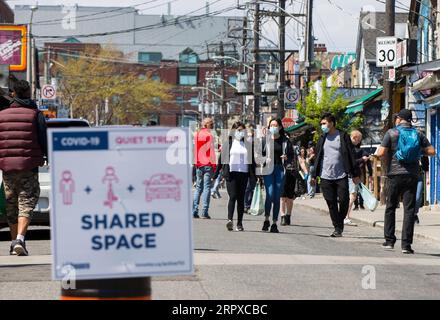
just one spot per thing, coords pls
(204, 149)
(19, 147)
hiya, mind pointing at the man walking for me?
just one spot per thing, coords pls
(401, 149)
(23, 145)
(335, 163)
(205, 162)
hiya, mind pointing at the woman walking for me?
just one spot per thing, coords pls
(236, 172)
(282, 154)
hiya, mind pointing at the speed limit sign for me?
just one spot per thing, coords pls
(386, 51)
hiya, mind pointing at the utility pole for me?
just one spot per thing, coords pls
(388, 87)
(282, 57)
(256, 47)
(223, 87)
(308, 42)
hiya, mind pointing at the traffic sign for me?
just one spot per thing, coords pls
(48, 92)
(288, 122)
(116, 217)
(386, 51)
(291, 95)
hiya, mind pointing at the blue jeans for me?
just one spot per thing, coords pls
(252, 182)
(216, 186)
(203, 187)
(419, 192)
(274, 186)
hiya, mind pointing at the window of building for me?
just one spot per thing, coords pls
(232, 80)
(149, 57)
(188, 77)
(188, 56)
(155, 77)
(194, 101)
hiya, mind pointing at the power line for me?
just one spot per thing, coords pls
(147, 27)
(49, 22)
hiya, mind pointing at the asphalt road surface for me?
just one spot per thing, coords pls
(301, 262)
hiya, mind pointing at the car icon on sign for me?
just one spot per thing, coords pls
(162, 186)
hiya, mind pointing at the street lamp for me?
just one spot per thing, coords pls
(220, 79)
(207, 89)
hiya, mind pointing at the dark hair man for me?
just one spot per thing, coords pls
(335, 163)
(23, 145)
(401, 148)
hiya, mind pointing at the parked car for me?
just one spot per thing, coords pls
(41, 214)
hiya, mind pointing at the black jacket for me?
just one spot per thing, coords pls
(287, 150)
(226, 168)
(348, 156)
(359, 153)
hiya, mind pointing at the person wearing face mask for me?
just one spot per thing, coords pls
(236, 172)
(335, 162)
(278, 153)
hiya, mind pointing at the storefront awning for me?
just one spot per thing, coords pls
(430, 82)
(295, 127)
(358, 105)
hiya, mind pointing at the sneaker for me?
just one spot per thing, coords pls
(407, 250)
(239, 228)
(362, 207)
(246, 210)
(348, 222)
(206, 217)
(284, 220)
(213, 195)
(229, 225)
(20, 248)
(11, 249)
(336, 234)
(388, 245)
(274, 228)
(356, 209)
(288, 220)
(266, 226)
(416, 219)
(196, 216)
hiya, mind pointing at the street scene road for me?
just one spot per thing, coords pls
(301, 262)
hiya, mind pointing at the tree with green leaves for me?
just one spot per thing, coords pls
(327, 100)
(96, 86)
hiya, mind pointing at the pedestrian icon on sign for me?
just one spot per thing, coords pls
(109, 178)
(67, 187)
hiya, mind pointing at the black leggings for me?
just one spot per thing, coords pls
(236, 186)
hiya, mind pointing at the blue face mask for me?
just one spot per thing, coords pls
(274, 130)
(324, 128)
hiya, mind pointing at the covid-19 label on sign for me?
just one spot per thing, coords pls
(120, 202)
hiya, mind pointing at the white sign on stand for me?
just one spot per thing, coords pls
(120, 202)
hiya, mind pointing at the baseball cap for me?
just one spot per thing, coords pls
(405, 114)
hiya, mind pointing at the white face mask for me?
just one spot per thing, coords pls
(239, 135)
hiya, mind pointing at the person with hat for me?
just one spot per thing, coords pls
(401, 150)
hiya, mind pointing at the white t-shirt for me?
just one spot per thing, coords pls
(238, 157)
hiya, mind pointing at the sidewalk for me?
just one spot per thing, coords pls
(429, 227)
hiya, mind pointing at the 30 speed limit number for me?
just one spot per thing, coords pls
(386, 51)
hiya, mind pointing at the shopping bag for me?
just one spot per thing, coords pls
(370, 200)
(257, 205)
